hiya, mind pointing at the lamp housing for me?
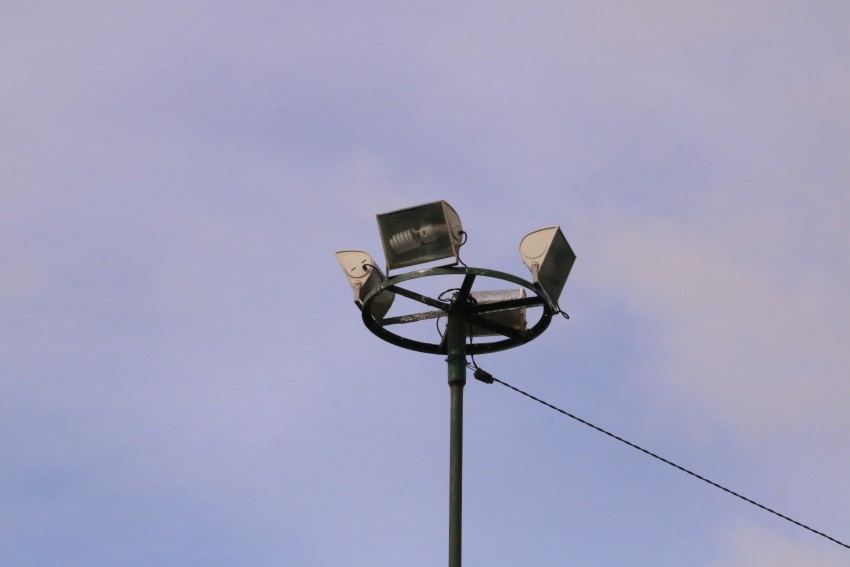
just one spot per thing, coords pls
(363, 275)
(421, 234)
(513, 318)
(550, 258)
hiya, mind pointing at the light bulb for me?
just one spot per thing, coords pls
(411, 238)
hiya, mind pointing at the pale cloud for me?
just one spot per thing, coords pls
(746, 268)
(761, 349)
(748, 545)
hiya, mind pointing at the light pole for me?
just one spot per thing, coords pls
(456, 347)
(478, 322)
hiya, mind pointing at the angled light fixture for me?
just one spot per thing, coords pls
(363, 275)
(511, 318)
(418, 235)
(550, 258)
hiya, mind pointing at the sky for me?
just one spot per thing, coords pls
(185, 380)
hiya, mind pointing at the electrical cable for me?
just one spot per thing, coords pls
(442, 296)
(488, 378)
(465, 236)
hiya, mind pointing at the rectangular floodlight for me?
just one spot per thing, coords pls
(512, 318)
(421, 234)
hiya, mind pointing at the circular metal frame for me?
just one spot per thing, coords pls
(472, 313)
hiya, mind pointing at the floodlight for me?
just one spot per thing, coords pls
(421, 234)
(363, 275)
(513, 318)
(548, 255)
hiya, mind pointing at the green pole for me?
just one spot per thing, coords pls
(456, 346)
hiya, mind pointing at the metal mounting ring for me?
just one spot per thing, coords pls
(378, 326)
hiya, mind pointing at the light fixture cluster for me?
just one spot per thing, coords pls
(432, 232)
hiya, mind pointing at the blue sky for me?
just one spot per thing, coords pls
(185, 381)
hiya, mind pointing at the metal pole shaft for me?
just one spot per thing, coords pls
(456, 346)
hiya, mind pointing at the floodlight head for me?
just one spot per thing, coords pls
(421, 234)
(363, 275)
(512, 318)
(548, 255)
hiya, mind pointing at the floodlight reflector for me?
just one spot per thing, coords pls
(550, 258)
(363, 275)
(421, 234)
